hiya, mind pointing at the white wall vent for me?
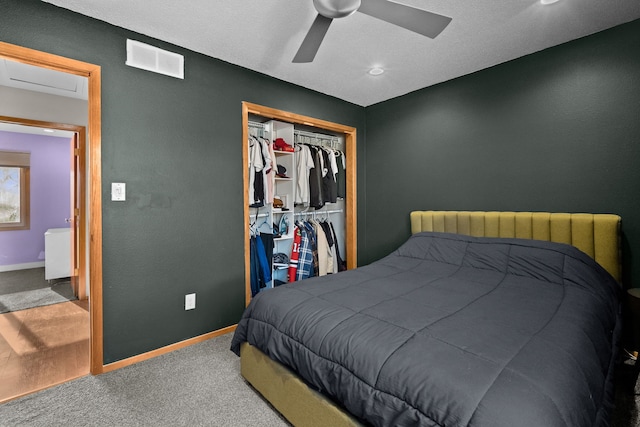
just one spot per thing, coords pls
(151, 58)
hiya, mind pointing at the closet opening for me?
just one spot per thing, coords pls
(308, 197)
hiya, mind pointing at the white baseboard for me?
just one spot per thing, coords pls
(25, 266)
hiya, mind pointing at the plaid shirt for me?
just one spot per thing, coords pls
(305, 260)
(311, 233)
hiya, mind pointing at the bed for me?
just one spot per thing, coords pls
(480, 318)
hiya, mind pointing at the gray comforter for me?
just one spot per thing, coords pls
(452, 330)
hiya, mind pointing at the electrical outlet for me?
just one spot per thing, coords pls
(190, 301)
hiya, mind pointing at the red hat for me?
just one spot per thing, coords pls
(280, 145)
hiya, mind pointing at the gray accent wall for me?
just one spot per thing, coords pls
(177, 144)
(558, 130)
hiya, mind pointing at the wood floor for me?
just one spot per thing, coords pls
(43, 346)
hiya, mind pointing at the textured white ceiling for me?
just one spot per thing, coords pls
(264, 35)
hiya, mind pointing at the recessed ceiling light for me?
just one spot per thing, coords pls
(548, 1)
(48, 130)
(376, 71)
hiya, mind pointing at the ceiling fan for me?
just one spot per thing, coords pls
(428, 24)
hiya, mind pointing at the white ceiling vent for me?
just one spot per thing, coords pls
(151, 58)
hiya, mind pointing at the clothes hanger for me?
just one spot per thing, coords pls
(266, 221)
(252, 227)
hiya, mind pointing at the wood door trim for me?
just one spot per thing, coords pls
(168, 349)
(93, 74)
(81, 215)
(351, 233)
(80, 131)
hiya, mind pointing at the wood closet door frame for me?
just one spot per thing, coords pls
(351, 172)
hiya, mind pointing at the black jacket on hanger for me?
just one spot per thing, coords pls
(316, 199)
(329, 185)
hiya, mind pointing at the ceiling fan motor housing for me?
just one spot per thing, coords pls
(336, 8)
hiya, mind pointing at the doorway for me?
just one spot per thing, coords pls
(93, 169)
(77, 193)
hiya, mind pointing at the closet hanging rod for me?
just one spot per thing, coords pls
(316, 136)
(258, 129)
(320, 212)
(259, 215)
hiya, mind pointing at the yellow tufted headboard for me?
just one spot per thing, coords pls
(597, 235)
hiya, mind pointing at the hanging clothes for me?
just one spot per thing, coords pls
(316, 199)
(304, 164)
(341, 176)
(271, 172)
(253, 271)
(261, 254)
(320, 175)
(319, 178)
(311, 232)
(305, 258)
(325, 262)
(264, 263)
(257, 276)
(267, 243)
(332, 168)
(332, 265)
(256, 180)
(342, 265)
(329, 186)
(295, 253)
(318, 251)
(260, 172)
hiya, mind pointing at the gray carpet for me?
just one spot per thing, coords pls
(22, 289)
(199, 385)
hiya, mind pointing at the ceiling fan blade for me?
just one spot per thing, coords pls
(313, 39)
(420, 21)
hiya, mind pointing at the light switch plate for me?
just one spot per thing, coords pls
(118, 191)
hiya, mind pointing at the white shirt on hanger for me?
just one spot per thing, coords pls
(304, 163)
(255, 165)
(271, 174)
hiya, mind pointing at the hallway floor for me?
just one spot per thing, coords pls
(43, 346)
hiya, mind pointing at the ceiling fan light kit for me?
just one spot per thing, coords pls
(425, 23)
(336, 8)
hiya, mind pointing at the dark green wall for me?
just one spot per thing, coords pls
(177, 144)
(558, 130)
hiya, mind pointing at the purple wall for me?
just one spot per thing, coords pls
(50, 194)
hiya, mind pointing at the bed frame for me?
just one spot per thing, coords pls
(597, 235)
